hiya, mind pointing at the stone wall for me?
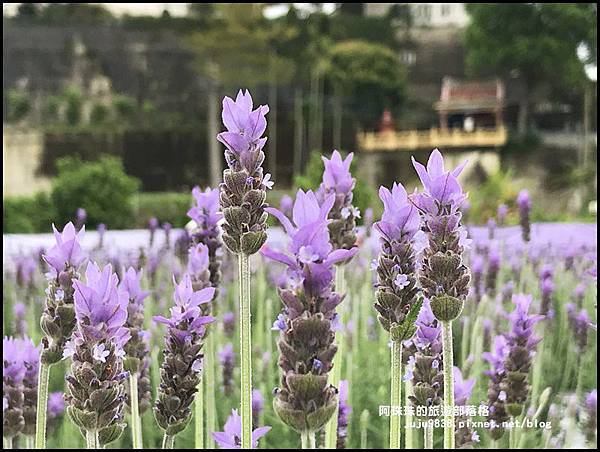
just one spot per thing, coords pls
(22, 151)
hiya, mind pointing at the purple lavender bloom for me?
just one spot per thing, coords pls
(56, 404)
(258, 405)
(198, 262)
(522, 344)
(20, 311)
(338, 181)
(67, 251)
(444, 278)
(591, 406)
(58, 317)
(229, 323)
(492, 271)
(396, 266)
(463, 433)
(501, 214)
(137, 359)
(491, 224)
(227, 360)
(231, 437)
(153, 226)
(26, 268)
(286, 204)
(496, 394)
(579, 293)
(524, 203)
(426, 360)
(243, 191)
(101, 231)
(306, 343)
(101, 311)
(344, 413)
(80, 218)
(547, 289)
(167, 228)
(180, 370)
(13, 373)
(477, 272)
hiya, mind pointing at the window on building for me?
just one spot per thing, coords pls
(408, 57)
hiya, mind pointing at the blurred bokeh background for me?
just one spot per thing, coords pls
(115, 107)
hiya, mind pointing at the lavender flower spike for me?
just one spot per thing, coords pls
(182, 362)
(396, 302)
(243, 191)
(207, 217)
(524, 203)
(444, 277)
(96, 384)
(58, 318)
(17, 372)
(464, 434)
(230, 438)
(522, 344)
(306, 402)
(337, 180)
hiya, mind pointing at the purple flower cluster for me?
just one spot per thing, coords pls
(182, 362)
(96, 390)
(580, 323)
(444, 277)
(338, 181)
(344, 413)
(306, 401)
(396, 299)
(464, 434)
(425, 366)
(231, 437)
(207, 217)
(243, 191)
(137, 359)
(227, 360)
(524, 203)
(58, 317)
(21, 360)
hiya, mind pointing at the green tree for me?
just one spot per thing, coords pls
(535, 41)
(17, 105)
(370, 78)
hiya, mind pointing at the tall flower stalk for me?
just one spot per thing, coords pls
(182, 364)
(96, 384)
(242, 197)
(58, 317)
(397, 301)
(206, 215)
(137, 353)
(338, 181)
(444, 277)
(306, 401)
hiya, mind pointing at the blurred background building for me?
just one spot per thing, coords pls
(143, 82)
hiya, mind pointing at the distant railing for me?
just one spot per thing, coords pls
(427, 139)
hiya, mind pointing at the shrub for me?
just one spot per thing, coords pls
(165, 206)
(99, 114)
(125, 107)
(73, 100)
(17, 105)
(28, 214)
(101, 187)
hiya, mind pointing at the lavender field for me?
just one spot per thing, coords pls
(289, 326)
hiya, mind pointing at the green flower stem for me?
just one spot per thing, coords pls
(364, 426)
(428, 436)
(308, 440)
(91, 437)
(209, 379)
(336, 372)
(245, 351)
(396, 394)
(448, 384)
(168, 441)
(199, 414)
(135, 411)
(512, 434)
(408, 430)
(29, 441)
(42, 406)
